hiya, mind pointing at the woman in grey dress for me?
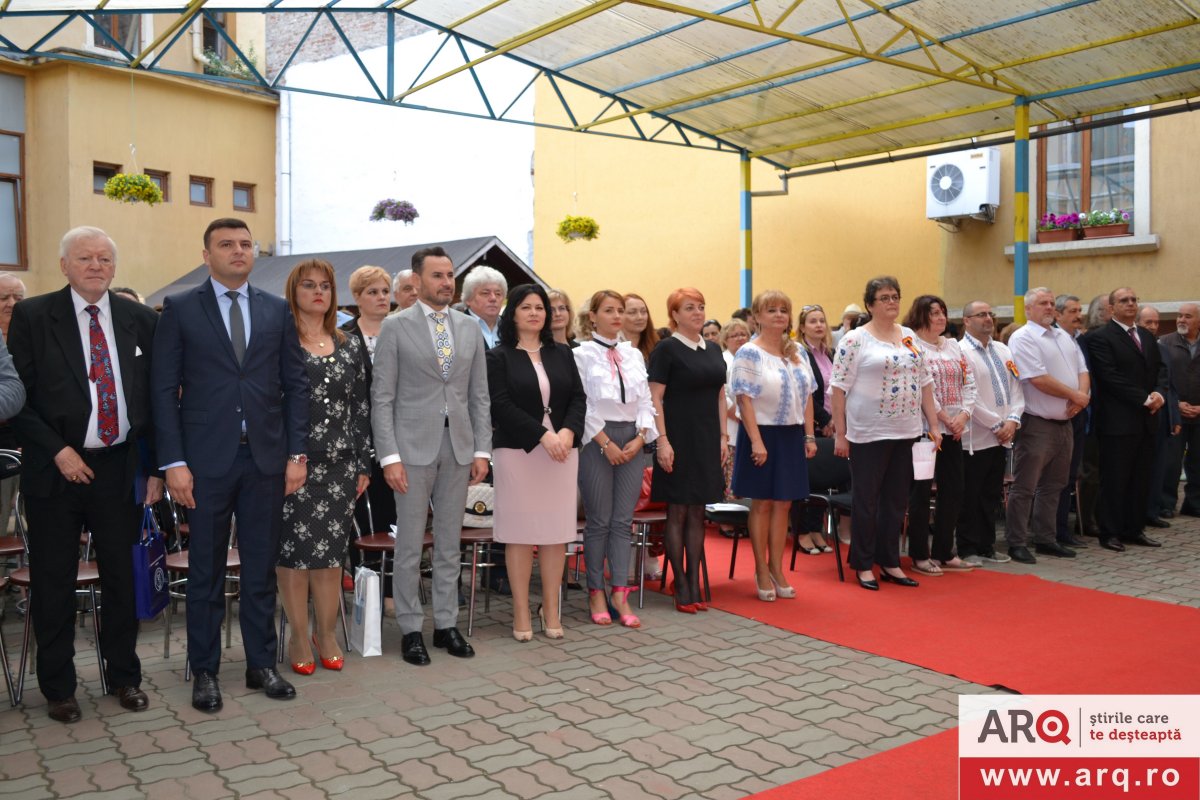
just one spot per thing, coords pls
(312, 546)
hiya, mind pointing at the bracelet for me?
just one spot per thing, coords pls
(809, 438)
(604, 446)
(642, 436)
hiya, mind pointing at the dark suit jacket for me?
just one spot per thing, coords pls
(351, 329)
(1185, 370)
(200, 394)
(1122, 378)
(53, 365)
(517, 409)
(821, 414)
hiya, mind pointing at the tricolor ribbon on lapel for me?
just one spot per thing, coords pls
(1012, 367)
(908, 342)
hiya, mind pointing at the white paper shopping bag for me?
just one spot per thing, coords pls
(368, 616)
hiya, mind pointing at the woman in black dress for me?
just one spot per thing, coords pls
(687, 383)
(312, 545)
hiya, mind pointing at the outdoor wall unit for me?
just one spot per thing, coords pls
(964, 184)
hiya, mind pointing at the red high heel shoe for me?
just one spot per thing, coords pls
(304, 667)
(335, 663)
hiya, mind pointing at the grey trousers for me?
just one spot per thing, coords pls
(1041, 466)
(443, 482)
(609, 495)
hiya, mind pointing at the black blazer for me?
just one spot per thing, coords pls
(821, 415)
(50, 358)
(517, 409)
(351, 329)
(1122, 378)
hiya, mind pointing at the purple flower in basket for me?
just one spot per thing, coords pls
(395, 210)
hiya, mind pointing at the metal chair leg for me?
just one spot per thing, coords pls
(25, 636)
(8, 679)
(471, 604)
(96, 630)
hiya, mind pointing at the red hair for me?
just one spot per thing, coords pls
(676, 300)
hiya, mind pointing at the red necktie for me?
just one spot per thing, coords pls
(1137, 340)
(101, 373)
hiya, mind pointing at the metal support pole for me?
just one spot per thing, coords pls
(747, 229)
(1021, 218)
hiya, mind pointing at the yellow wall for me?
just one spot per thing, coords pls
(80, 114)
(669, 217)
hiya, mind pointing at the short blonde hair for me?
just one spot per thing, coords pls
(729, 328)
(364, 276)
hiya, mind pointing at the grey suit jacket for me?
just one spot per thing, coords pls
(408, 393)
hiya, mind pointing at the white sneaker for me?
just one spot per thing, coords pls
(974, 561)
(996, 557)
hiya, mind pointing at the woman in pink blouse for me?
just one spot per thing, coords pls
(881, 390)
(954, 390)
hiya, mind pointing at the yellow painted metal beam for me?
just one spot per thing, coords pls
(4, 5)
(476, 13)
(1081, 48)
(787, 13)
(757, 14)
(850, 24)
(517, 41)
(185, 17)
(890, 126)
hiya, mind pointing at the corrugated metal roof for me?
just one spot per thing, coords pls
(798, 82)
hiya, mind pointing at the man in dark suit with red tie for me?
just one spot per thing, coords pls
(1129, 383)
(230, 396)
(83, 354)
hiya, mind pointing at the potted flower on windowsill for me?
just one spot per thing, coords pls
(127, 188)
(394, 210)
(572, 228)
(1057, 228)
(1101, 224)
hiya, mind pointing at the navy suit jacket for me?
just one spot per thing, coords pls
(200, 394)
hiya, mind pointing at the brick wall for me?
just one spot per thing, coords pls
(365, 30)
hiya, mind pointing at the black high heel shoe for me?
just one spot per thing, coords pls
(871, 585)
(904, 580)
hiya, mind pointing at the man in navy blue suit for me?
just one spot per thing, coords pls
(230, 397)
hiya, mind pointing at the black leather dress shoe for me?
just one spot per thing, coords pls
(1167, 513)
(65, 710)
(871, 585)
(1054, 549)
(1112, 544)
(1072, 541)
(206, 692)
(453, 642)
(271, 682)
(904, 580)
(1144, 541)
(131, 698)
(1021, 555)
(412, 649)
(1188, 511)
(1157, 522)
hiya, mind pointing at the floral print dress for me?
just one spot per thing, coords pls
(316, 518)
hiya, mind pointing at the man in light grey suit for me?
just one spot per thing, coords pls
(432, 425)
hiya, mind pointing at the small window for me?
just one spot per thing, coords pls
(162, 180)
(243, 196)
(126, 29)
(200, 191)
(101, 172)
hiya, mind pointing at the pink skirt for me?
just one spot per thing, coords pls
(535, 497)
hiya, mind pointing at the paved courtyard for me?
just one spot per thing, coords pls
(705, 706)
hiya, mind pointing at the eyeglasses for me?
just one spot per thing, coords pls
(887, 298)
(982, 314)
(309, 286)
(1127, 300)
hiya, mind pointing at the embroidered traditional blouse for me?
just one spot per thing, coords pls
(953, 377)
(604, 390)
(778, 389)
(999, 396)
(883, 384)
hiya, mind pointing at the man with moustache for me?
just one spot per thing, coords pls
(995, 420)
(1130, 388)
(1182, 350)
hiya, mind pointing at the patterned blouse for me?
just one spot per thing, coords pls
(883, 384)
(778, 389)
(339, 407)
(953, 377)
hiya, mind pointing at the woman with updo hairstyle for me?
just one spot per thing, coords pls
(562, 318)
(773, 385)
(817, 344)
(687, 382)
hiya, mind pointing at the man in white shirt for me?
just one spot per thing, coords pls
(995, 419)
(483, 291)
(1054, 378)
(1068, 315)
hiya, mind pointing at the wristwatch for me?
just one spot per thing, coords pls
(298, 459)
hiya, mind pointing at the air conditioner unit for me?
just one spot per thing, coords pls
(964, 184)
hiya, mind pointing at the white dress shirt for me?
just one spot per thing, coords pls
(1038, 350)
(84, 320)
(998, 394)
(604, 392)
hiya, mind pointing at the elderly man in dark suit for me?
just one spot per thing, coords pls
(1130, 387)
(230, 395)
(83, 354)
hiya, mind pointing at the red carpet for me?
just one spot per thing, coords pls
(922, 770)
(1020, 632)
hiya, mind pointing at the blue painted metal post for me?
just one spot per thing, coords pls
(391, 54)
(1021, 217)
(747, 230)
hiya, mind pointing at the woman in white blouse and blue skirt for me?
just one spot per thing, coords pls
(618, 424)
(881, 389)
(772, 383)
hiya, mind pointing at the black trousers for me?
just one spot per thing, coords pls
(1062, 531)
(1125, 467)
(257, 499)
(1183, 452)
(983, 491)
(948, 474)
(880, 474)
(106, 508)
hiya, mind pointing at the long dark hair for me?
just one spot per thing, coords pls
(506, 329)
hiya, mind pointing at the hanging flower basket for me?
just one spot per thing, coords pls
(394, 210)
(132, 189)
(572, 228)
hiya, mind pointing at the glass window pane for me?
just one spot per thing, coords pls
(10, 154)
(1064, 181)
(9, 241)
(1112, 167)
(199, 192)
(241, 198)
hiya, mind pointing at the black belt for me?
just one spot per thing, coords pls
(1047, 419)
(98, 451)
